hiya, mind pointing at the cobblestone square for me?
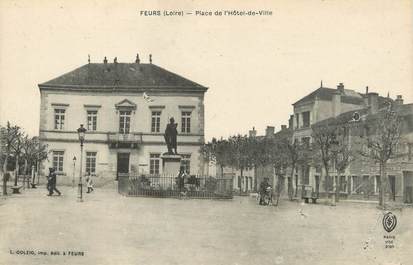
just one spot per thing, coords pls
(108, 228)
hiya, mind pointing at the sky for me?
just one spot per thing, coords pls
(255, 67)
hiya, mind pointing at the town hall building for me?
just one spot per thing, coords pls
(125, 108)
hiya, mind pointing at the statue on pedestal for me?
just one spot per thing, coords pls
(170, 136)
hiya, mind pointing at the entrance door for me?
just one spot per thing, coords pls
(392, 183)
(123, 164)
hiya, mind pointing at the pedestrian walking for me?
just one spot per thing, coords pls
(51, 184)
(89, 182)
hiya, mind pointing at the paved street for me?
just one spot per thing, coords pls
(111, 229)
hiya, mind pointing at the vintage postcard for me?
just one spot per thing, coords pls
(206, 132)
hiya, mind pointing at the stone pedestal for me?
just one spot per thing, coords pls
(171, 164)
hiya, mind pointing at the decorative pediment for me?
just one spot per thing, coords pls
(125, 104)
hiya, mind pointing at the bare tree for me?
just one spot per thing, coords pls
(342, 152)
(10, 134)
(239, 153)
(383, 134)
(33, 152)
(17, 148)
(324, 139)
(280, 160)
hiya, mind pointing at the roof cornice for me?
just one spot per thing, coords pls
(138, 89)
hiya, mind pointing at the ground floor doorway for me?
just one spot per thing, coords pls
(122, 164)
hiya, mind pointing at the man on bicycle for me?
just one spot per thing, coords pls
(264, 190)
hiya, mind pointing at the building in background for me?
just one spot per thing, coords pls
(321, 104)
(125, 108)
(361, 177)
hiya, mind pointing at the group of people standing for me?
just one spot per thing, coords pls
(51, 183)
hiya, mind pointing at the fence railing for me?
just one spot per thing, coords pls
(193, 186)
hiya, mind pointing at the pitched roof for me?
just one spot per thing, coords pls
(131, 75)
(342, 118)
(325, 93)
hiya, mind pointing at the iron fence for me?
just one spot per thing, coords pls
(193, 186)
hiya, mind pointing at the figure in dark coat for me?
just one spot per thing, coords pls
(170, 136)
(51, 182)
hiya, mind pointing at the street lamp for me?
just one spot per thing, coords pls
(81, 133)
(74, 169)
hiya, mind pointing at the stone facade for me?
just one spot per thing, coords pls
(138, 90)
(361, 179)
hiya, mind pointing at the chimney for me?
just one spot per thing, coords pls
(115, 60)
(367, 90)
(253, 132)
(138, 61)
(399, 100)
(88, 58)
(269, 132)
(150, 58)
(105, 60)
(283, 127)
(336, 103)
(340, 88)
(291, 122)
(373, 102)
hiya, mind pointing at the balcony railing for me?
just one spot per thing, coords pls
(127, 140)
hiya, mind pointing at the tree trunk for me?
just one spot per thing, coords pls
(290, 185)
(4, 172)
(26, 178)
(255, 178)
(38, 171)
(334, 190)
(382, 189)
(207, 169)
(296, 183)
(279, 188)
(16, 170)
(328, 183)
(242, 181)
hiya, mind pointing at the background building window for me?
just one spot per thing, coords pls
(59, 119)
(355, 184)
(186, 122)
(376, 184)
(186, 163)
(343, 184)
(305, 175)
(124, 121)
(156, 121)
(154, 162)
(58, 160)
(92, 117)
(306, 119)
(91, 163)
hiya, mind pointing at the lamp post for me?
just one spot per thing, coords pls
(74, 169)
(81, 133)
